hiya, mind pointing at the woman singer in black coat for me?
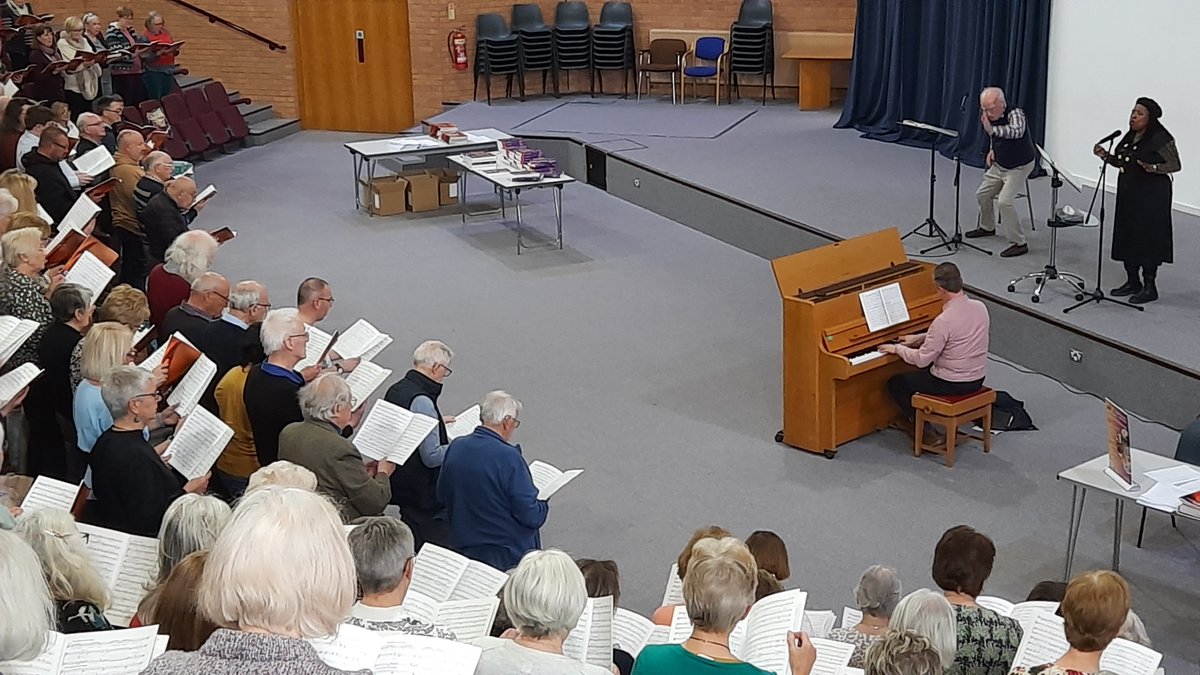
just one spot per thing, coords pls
(1146, 156)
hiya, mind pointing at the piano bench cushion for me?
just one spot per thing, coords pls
(953, 406)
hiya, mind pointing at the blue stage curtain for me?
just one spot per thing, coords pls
(915, 59)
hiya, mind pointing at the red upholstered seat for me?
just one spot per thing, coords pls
(960, 398)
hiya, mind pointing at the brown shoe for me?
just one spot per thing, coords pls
(979, 233)
(1014, 251)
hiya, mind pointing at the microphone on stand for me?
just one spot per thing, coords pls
(1109, 137)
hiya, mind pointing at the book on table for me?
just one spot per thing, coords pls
(48, 493)
(12, 382)
(443, 575)
(467, 619)
(13, 333)
(127, 563)
(394, 653)
(391, 432)
(106, 651)
(197, 443)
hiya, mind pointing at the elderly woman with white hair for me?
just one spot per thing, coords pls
(414, 484)
(930, 615)
(544, 598)
(876, 595)
(80, 595)
(282, 474)
(132, 484)
(170, 282)
(493, 506)
(28, 609)
(320, 445)
(191, 523)
(278, 574)
(718, 590)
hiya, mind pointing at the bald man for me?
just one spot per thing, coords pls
(131, 148)
(167, 215)
(91, 132)
(1010, 160)
(206, 301)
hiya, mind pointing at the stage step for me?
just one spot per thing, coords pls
(190, 81)
(261, 118)
(256, 112)
(270, 130)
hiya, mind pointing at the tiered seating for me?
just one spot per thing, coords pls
(203, 113)
(227, 110)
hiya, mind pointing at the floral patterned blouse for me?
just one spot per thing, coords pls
(24, 297)
(861, 642)
(1051, 669)
(987, 642)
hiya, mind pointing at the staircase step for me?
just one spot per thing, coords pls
(271, 130)
(256, 112)
(189, 81)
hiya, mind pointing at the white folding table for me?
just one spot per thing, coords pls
(505, 183)
(415, 149)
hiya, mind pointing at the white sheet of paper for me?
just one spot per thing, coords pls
(479, 581)
(204, 194)
(1129, 658)
(851, 617)
(818, 623)
(366, 378)
(9, 89)
(1044, 642)
(82, 211)
(44, 215)
(997, 605)
(155, 359)
(90, 273)
(12, 382)
(883, 307)
(467, 619)
(358, 339)
(352, 648)
(318, 340)
(95, 161)
(420, 606)
(767, 624)
(139, 565)
(1025, 613)
(48, 493)
(190, 388)
(681, 626)
(631, 631)
(549, 479)
(673, 595)
(15, 332)
(391, 432)
(464, 423)
(198, 442)
(420, 655)
(592, 638)
(436, 572)
(832, 657)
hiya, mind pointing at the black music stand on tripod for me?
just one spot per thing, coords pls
(1098, 295)
(932, 228)
(1051, 272)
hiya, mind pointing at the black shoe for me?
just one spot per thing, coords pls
(1148, 294)
(1131, 287)
(979, 233)
(1014, 251)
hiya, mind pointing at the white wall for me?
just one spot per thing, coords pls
(1106, 53)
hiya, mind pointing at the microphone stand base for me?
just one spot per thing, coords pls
(1097, 296)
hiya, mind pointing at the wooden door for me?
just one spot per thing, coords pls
(354, 64)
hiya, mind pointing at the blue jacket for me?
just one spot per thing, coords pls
(490, 499)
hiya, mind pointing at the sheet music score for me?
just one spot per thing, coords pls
(673, 595)
(362, 340)
(95, 161)
(197, 443)
(12, 382)
(851, 617)
(464, 423)
(832, 657)
(592, 638)
(318, 340)
(631, 631)
(48, 493)
(548, 479)
(764, 630)
(388, 653)
(443, 575)
(82, 211)
(186, 395)
(884, 307)
(90, 273)
(365, 379)
(391, 432)
(15, 332)
(126, 563)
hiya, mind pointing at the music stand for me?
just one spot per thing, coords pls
(934, 230)
(1098, 295)
(1051, 272)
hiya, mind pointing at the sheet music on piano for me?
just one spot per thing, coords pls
(884, 307)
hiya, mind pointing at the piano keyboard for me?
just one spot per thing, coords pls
(859, 359)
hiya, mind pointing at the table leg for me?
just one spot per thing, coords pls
(370, 178)
(814, 83)
(462, 194)
(357, 160)
(520, 221)
(558, 213)
(1119, 521)
(1078, 496)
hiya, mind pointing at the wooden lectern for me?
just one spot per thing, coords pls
(828, 399)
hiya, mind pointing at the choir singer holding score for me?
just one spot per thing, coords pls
(951, 355)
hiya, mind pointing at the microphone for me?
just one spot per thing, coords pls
(1109, 137)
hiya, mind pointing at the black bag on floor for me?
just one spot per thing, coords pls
(1008, 414)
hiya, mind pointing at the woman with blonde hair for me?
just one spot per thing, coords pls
(8, 206)
(22, 186)
(80, 595)
(27, 219)
(662, 615)
(282, 473)
(125, 305)
(28, 609)
(83, 85)
(106, 346)
(1094, 612)
(280, 573)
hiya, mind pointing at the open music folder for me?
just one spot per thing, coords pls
(362, 341)
(761, 638)
(631, 631)
(115, 652)
(95, 161)
(591, 641)
(883, 307)
(126, 562)
(464, 423)
(48, 493)
(12, 382)
(191, 387)
(13, 333)
(391, 432)
(394, 653)
(467, 619)
(90, 272)
(366, 378)
(81, 213)
(197, 443)
(1024, 612)
(318, 340)
(178, 352)
(549, 479)
(1045, 641)
(444, 575)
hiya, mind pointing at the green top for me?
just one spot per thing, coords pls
(675, 660)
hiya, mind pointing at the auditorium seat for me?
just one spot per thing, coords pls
(218, 100)
(181, 121)
(212, 125)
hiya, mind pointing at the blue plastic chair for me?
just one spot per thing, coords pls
(710, 51)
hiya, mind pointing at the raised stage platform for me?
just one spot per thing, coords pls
(772, 180)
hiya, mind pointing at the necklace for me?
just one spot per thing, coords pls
(711, 642)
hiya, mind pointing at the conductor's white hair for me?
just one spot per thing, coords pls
(321, 397)
(989, 92)
(432, 353)
(281, 566)
(929, 614)
(245, 295)
(190, 255)
(545, 595)
(25, 599)
(278, 326)
(191, 523)
(497, 406)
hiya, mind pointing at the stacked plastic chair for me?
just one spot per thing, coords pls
(612, 43)
(537, 42)
(572, 38)
(497, 52)
(752, 46)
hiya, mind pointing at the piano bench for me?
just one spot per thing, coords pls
(951, 412)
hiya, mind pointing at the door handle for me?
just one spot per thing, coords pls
(359, 38)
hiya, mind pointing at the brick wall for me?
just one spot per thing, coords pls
(213, 50)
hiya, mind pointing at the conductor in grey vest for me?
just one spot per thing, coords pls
(1010, 160)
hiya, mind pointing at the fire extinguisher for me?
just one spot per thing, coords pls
(456, 42)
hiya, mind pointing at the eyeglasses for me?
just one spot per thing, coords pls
(516, 422)
(157, 396)
(262, 304)
(298, 335)
(63, 146)
(329, 299)
(59, 535)
(223, 297)
(446, 369)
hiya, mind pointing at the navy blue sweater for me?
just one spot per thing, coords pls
(490, 499)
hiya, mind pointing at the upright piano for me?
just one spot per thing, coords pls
(834, 377)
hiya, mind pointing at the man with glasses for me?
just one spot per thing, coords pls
(167, 215)
(414, 484)
(53, 191)
(92, 132)
(110, 109)
(222, 340)
(206, 301)
(37, 119)
(314, 299)
(272, 386)
(493, 506)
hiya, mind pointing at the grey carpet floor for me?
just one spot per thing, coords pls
(648, 354)
(627, 118)
(796, 165)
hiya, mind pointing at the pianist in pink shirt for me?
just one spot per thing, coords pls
(952, 355)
